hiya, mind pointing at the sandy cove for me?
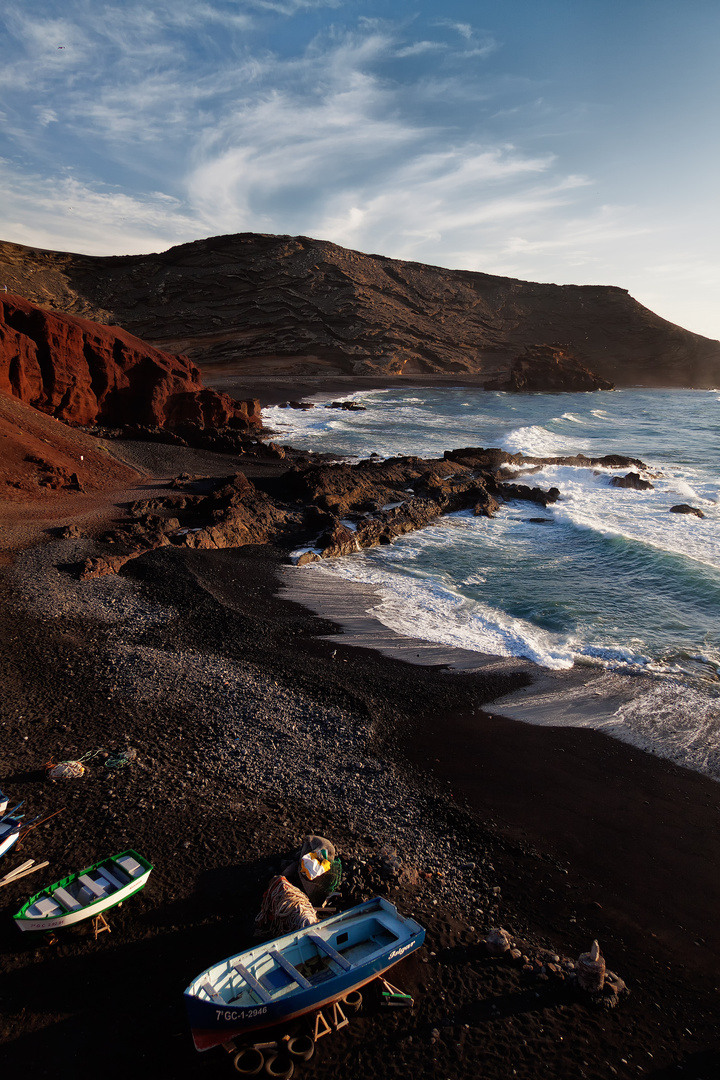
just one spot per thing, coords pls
(251, 729)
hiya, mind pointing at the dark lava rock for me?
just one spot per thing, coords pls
(632, 480)
(684, 508)
(546, 368)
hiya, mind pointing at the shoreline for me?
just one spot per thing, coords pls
(503, 759)
(273, 390)
(191, 657)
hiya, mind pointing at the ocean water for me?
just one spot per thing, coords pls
(611, 579)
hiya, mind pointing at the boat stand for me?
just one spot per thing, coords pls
(100, 925)
(392, 997)
(338, 1020)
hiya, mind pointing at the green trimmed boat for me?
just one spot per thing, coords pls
(85, 894)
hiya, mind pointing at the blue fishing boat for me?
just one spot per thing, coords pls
(298, 973)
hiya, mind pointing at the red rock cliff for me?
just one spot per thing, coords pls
(85, 373)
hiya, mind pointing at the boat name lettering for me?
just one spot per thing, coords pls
(399, 952)
(236, 1014)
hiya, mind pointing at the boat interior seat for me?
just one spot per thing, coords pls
(46, 906)
(66, 899)
(129, 865)
(249, 979)
(212, 993)
(117, 874)
(111, 880)
(330, 951)
(96, 888)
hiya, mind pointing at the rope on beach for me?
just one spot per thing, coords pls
(74, 768)
(119, 761)
(284, 908)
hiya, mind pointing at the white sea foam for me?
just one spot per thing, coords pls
(434, 612)
(617, 583)
(667, 718)
(536, 441)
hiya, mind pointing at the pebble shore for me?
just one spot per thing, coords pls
(252, 730)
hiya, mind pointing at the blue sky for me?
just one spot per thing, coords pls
(573, 141)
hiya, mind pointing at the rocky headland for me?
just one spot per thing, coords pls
(281, 305)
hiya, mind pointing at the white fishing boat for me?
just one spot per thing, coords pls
(85, 894)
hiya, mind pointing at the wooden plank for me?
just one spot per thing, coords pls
(95, 888)
(330, 951)
(252, 982)
(107, 876)
(293, 972)
(213, 994)
(66, 899)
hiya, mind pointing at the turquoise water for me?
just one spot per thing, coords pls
(611, 578)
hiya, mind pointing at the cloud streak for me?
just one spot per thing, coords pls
(166, 122)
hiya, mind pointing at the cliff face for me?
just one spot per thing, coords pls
(83, 373)
(292, 305)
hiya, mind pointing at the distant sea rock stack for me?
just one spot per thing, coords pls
(84, 373)
(547, 369)
(283, 305)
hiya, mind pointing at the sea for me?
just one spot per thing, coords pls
(609, 579)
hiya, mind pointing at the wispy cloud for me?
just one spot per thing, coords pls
(131, 127)
(66, 214)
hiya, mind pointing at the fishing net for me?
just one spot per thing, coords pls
(64, 770)
(284, 908)
(119, 761)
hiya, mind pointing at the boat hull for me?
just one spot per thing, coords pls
(8, 842)
(213, 1024)
(63, 908)
(89, 912)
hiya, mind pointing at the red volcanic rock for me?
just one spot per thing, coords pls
(84, 373)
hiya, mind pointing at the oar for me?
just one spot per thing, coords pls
(22, 866)
(10, 878)
(33, 824)
(11, 813)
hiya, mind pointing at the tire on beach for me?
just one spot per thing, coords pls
(249, 1062)
(302, 1047)
(279, 1066)
(353, 1001)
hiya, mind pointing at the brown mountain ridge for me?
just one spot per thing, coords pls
(281, 305)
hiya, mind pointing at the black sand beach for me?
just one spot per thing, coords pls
(251, 730)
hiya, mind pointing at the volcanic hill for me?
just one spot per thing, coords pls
(281, 305)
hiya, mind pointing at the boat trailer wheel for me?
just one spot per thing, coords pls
(249, 1062)
(279, 1066)
(301, 1047)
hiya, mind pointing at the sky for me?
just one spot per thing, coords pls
(567, 141)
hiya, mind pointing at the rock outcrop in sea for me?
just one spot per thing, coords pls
(283, 305)
(324, 510)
